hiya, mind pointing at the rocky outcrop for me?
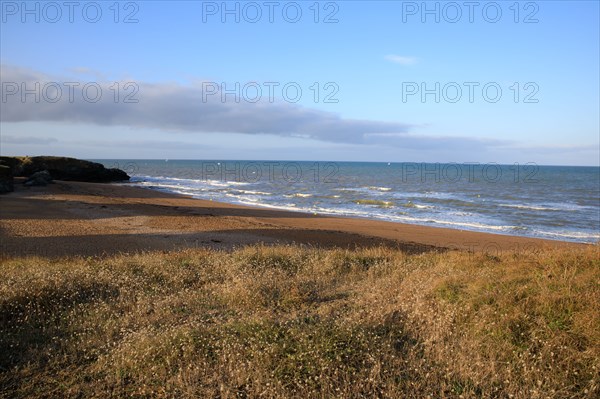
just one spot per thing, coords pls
(6, 179)
(42, 178)
(63, 168)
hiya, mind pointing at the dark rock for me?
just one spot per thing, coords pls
(13, 163)
(42, 178)
(6, 179)
(63, 168)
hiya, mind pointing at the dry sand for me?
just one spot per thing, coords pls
(72, 218)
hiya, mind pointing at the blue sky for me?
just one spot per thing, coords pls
(365, 55)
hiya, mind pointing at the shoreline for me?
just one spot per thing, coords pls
(350, 216)
(89, 219)
(489, 207)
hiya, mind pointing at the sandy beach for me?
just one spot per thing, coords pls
(73, 218)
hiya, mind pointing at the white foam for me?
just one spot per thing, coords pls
(423, 206)
(531, 207)
(254, 192)
(379, 188)
(575, 235)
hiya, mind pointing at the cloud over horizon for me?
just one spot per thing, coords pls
(174, 107)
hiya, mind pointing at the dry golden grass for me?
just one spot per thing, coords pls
(301, 322)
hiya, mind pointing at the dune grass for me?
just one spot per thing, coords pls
(302, 322)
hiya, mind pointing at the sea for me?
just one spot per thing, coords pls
(551, 202)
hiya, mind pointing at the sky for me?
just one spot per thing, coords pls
(383, 81)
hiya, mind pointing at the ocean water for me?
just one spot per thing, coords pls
(552, 202)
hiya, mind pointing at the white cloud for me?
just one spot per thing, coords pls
(401, 60)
